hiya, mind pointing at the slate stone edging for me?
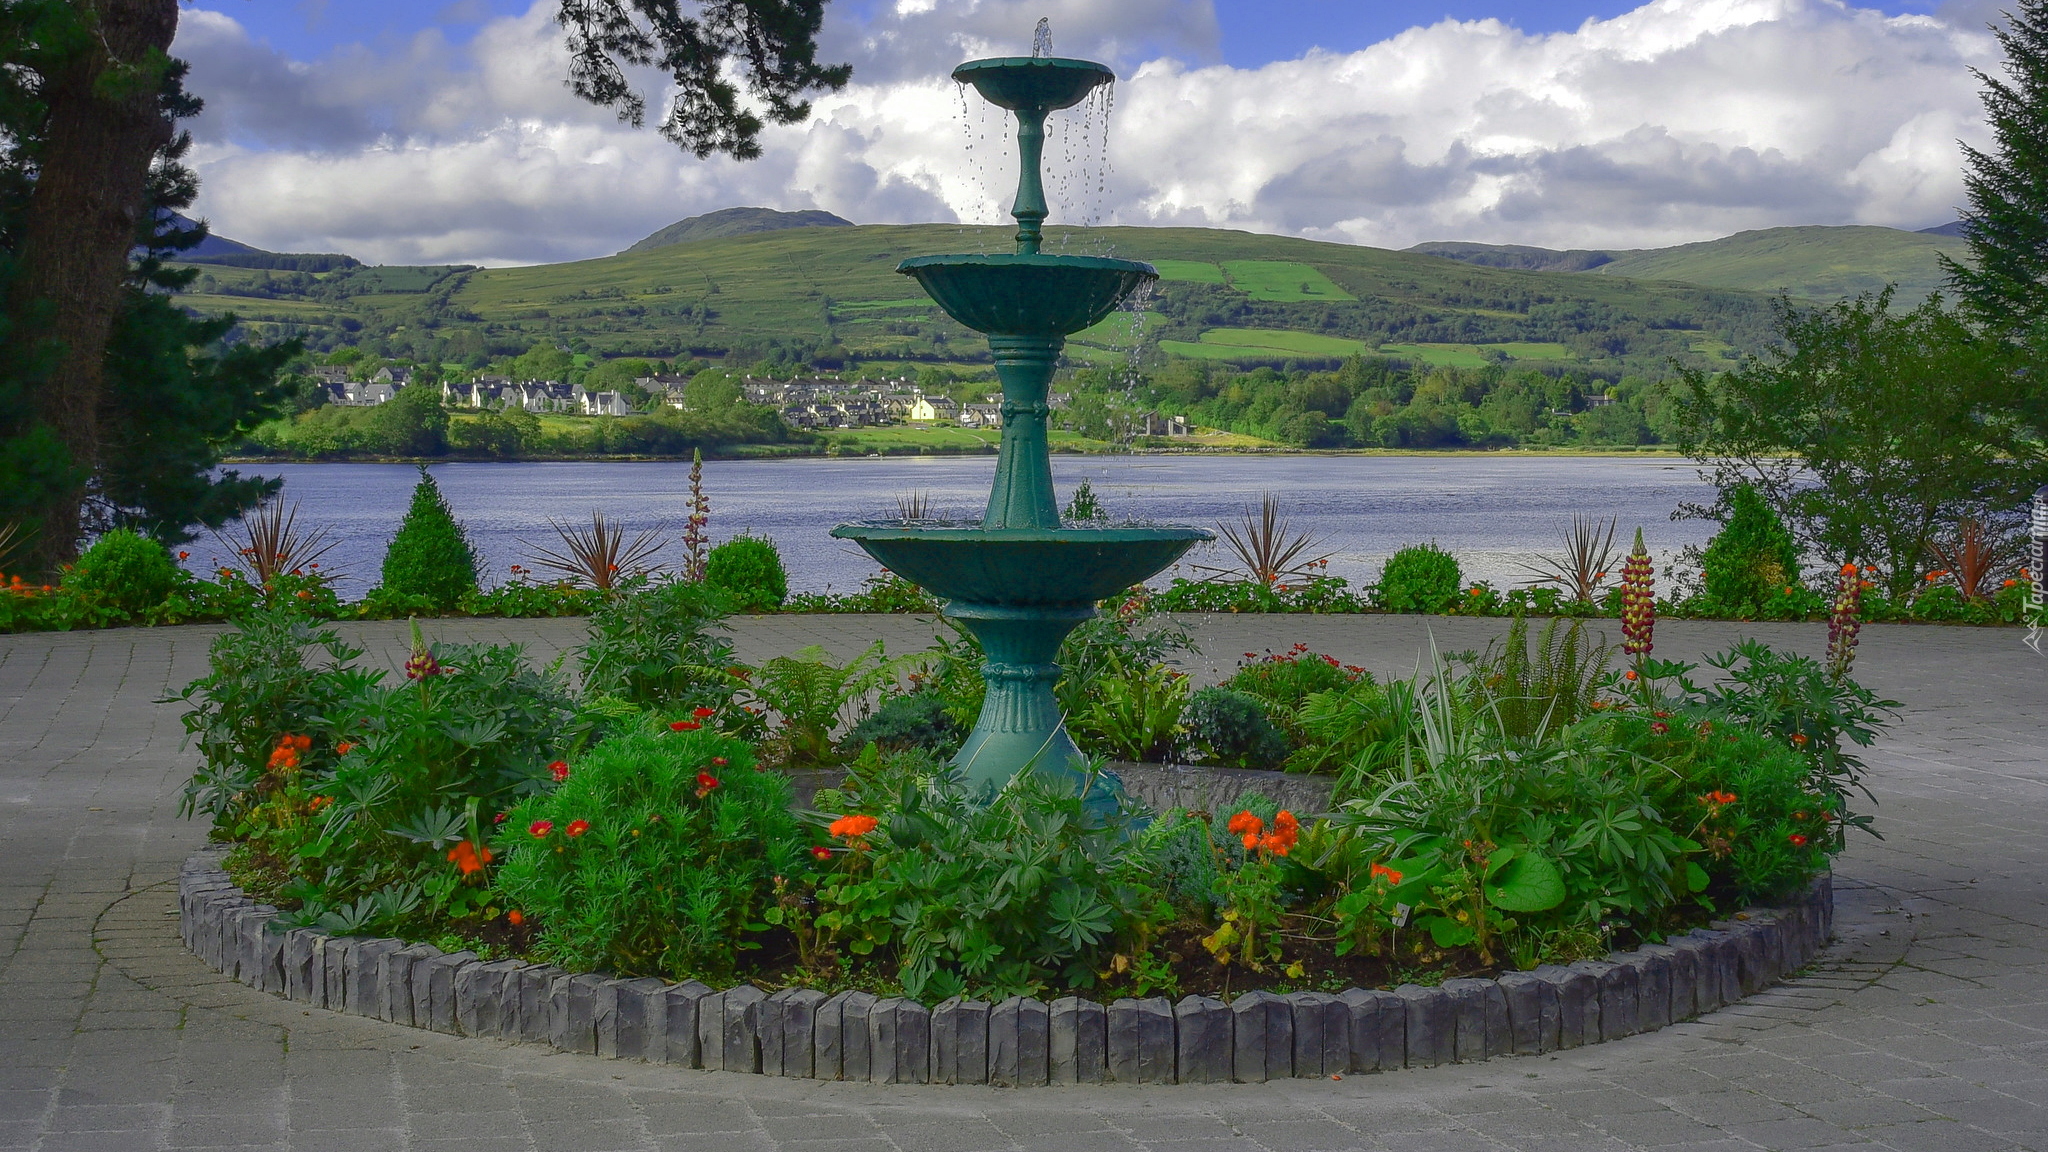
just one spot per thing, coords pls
(1019, 1042)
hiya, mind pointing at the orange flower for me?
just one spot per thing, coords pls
(515, 917)
(468, 857)
(1378, 871)
(1245, 822)
(1629, 675)
(1799, 738)
(576, 828)
(343, 748)
(853, 827)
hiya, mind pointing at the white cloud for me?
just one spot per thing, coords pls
(1678, 121)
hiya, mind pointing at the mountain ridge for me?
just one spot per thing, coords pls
(734, 222)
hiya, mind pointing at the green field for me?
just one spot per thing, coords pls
(1475, 355)
(1282, 281)
(1189, 271)
(1263, 344)
(1817, 263)
(1115, 331)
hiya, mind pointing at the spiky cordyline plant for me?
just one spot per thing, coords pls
(271, 543)
(601, 556)
(1974, 556)
(1588, 550)
(913, 505)
(1267, 548)
(12, 540)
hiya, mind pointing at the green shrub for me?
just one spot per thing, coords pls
(1009, 897)
(123, 571)
(1420, 578)
(1751, 561)
(1231, 729)
(430, 557)
(654, 647)
(655, 855)
(750, 569)
(1133, 712)
(917, 720)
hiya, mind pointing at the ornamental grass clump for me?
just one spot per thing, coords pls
(655, 855)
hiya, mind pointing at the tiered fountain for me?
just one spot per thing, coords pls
(1019, 579)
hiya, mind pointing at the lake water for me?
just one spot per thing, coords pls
(1493, 511)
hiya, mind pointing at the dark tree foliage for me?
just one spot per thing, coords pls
(2004, 285)
(1871, 432)
(773, 42)
(113, 404)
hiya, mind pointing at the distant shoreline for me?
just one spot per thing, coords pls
(1176, 454)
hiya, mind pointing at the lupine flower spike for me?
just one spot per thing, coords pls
(1638, 601)
(1844, 621)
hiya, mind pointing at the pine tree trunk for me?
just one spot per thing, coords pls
(105, 127)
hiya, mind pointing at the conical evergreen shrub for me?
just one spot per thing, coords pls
(1752, 558)
(430, 556)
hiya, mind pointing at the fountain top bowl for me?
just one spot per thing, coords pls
(1028, 294)
(1034, 83)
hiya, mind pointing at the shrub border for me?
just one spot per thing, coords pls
(1020, 1042)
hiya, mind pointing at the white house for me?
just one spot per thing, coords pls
(935, 408)
(604, 404)
(981, 416)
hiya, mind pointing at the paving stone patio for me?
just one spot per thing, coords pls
(1924, 1027)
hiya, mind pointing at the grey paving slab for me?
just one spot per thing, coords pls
(1925, 1025)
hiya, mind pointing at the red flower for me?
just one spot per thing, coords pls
(718, 761)
(540, 828)
(822, 852)
(343, 748)
(184, 555)
(706, 781)
(704, 713)
(515, 917)
(1798, 841)
(684, 726)
(576, 828)
(500, 817)
(1660, 727)
(559, 770)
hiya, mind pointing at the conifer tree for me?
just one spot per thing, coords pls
(2004, 285)
(431, 555)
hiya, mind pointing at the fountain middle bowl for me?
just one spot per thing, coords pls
(1022, 567)
(1031, 294)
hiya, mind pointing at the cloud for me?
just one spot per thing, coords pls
(1678, 121)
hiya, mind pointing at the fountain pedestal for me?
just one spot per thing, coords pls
(1018, 579)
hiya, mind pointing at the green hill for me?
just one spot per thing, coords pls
(1812, 263)
(736, 222)
(831, 294)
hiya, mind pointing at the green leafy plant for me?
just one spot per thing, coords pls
(657, 647)
(1532, 691)
(1133, 712)
(123, 572)
(430, 557)
(1231, 729)
(914, 720)
(656, 855)
(809, 697)
(1420, 578)
(750, 570)
(1014, 895)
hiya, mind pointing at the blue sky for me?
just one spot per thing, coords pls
(427, 131)
(1254, 32)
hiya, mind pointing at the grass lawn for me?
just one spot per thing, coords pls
(1263, 344)
(1283, 282)
(949, 439)
(1474, 355)
(1192, 271)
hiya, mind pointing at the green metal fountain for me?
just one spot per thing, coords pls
(1019, 579)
